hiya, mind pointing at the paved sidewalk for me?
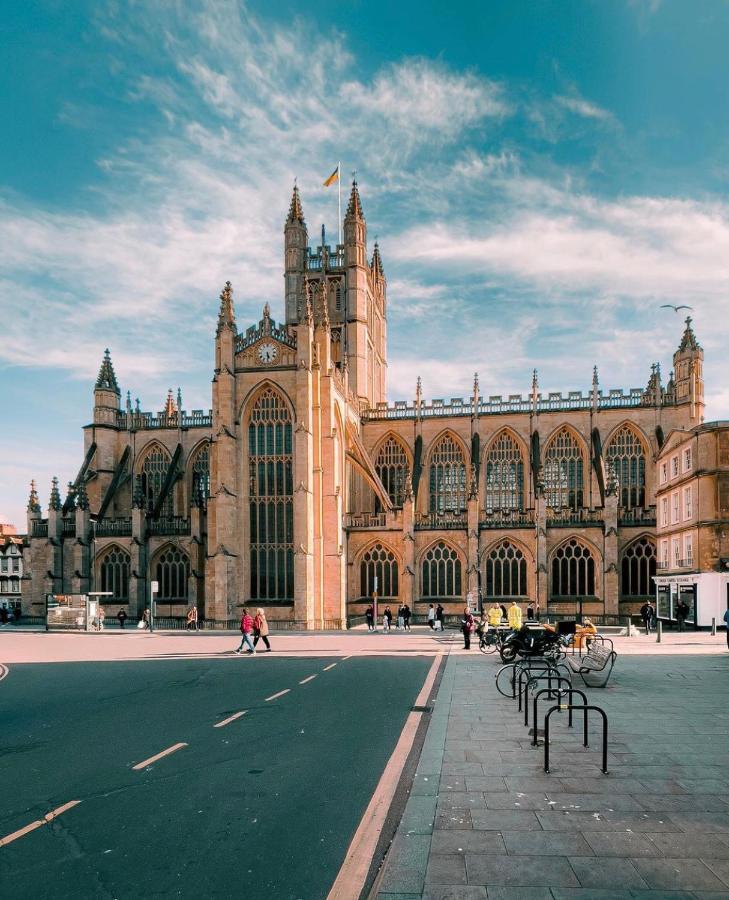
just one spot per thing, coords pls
(484, 822)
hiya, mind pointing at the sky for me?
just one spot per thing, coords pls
(541, 176)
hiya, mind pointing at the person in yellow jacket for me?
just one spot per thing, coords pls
(514, 616)
(584, 632)
(494, 615)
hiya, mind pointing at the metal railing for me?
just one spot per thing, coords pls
(169, 525)
(114, 528)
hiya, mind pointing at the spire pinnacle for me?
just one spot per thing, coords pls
(33, 502)
(170, 408)
(688, 340)
(54, 501)
(377, 262)
(226, 315)
(475, 390)
(82, 498)
(296, 213)
(595, 379)
(107, 379)
(354, 209)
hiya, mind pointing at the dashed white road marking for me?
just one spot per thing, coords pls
(3, 671)
(230, 719)
(153, 759)
(346, 657)
(280, 694)
(307, 679)
(327, 668)
(49, 817)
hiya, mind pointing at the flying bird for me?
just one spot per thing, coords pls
(674, 308)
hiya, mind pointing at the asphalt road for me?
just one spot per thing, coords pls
(264, 806)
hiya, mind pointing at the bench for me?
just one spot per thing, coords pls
(598, 661)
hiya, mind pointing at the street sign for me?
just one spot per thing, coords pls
(155, 587)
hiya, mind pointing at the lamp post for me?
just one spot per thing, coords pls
(93, 519)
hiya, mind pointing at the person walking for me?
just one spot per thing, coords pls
(122, 617)
(246, 627)
(192, 618)
(530, 614)
(431, 617)
(467, 626)
(370, 617)
(260, 629)
(400, 619)
(682, 611)
(646, 614)
(143, 623)
(439, 613)
(514, 616)
(101, 617)
(726, 622)
(406, 614)
(387, 619)
(495, 616)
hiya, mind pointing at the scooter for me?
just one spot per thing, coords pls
(529, 642)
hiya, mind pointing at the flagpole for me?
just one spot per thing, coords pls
(339, 205)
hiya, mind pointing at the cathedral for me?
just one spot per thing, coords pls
(303, 491)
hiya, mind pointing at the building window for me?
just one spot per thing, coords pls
(392, 468)
(676, 552)
(664, 552)
(270, 466)
(4, 565)
(441, 572)
(381, 564)
(674, 466)
(504, 475)
(664, 473)
(688, 549)
(447, 477)
(506, 571)
(172, 573)
(114, 575)
(201, 475)
(573, 571)
(664, 511)
(563, 471)
(154, 472)
(626, 455)
(638, 569)
(687, 506)
(687, 459)
(674, 507)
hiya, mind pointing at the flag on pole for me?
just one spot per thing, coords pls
(332, 178)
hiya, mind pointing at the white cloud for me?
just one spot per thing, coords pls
(581, 107)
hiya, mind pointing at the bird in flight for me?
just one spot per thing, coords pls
(674, 308)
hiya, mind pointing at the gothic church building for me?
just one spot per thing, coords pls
(302, 487)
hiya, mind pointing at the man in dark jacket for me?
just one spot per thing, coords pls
(682, 611)
(406, 616)
(646, 614)
(122, 616)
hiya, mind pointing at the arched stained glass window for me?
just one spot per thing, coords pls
(270, 466)
(201, 475)
(381, 563)
(506, 571)
(504, 475)
(114, 575)
(638, 568)
(563, 471)
(441, 572)
(392, 467)
(154, 471)
(573, 571)
(626, 455)
(447, 477)
(172, 573)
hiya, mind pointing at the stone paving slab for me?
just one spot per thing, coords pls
(657, 826)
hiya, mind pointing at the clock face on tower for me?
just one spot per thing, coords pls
(267, 353)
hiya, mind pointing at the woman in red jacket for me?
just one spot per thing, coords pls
(246, 627)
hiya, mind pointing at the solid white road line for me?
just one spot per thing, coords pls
(307, 679)
(327, 668)
(352, 875)
(230, 719)
(280, 694)
(153, 759)
(49, 817)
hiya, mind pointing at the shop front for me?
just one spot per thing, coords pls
(706, 595)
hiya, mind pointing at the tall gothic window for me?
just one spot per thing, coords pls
(447, 477)
(392, 468)
(573, 571)
(625, 453)
(114, 572)
(270, 465)
(504, 475)
(201, 474)
(380, 563)
(563, 471)
(441, 572)
(154, 471)
(172, 573)
(638, 568)
(506, 571)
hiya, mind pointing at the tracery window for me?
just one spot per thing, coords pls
(441, 572)
(506, 571)
(573, 571)
(154, 471)
(447, 477)
(172, 573)
(114, 575)
(270, 466)
(504, 475)
(638, 568)
(392, 468)
(563, 471)
(201, 474)
(626, 455)
(380, 563)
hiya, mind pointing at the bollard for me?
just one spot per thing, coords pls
(713, 627)
(659, 632)
(630, 627)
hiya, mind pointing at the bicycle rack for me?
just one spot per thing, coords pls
(550, 677)
(561, 707)
(570, 690)
(527, 665)
(548, 671)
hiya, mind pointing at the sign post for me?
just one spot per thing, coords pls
(374, 602)
(154, 589)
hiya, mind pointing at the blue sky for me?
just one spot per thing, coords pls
(541, 175)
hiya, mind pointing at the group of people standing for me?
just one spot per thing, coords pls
(404, 615)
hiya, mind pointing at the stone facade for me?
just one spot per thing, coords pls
(302, 485)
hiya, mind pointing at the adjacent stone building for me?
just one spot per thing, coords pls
(302, 485)
(11, 568)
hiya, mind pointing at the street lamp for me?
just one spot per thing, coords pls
(93, 519)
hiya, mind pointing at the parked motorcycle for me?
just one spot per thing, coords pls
(529, 642)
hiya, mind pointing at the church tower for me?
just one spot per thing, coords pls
(688, 364)
(295, 253)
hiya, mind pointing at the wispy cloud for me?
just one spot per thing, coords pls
(581, 107)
